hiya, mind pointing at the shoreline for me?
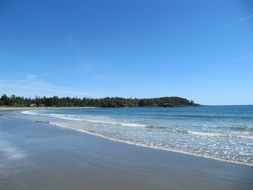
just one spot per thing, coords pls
(116, 140)
(42, 156)
(151, 147)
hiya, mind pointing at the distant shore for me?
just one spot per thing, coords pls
(55, 101)
(22, 108)
(5, 108)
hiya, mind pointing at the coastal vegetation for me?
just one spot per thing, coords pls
(55, 101)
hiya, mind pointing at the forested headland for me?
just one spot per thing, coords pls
(18, 101)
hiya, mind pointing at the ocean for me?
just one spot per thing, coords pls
(216, 132)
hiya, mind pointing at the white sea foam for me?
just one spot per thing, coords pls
(95, 120)
(72, 127)
(209, 134)
(106, 120)
(224, 135)
(246, 137)
(87, 119)
(30, 112)
(200, 140)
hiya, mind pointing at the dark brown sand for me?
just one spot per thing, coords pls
(39, 156)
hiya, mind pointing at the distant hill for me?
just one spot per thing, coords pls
(17, 101)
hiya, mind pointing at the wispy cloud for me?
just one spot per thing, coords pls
(32, 85)
(110, 78)
(245, 58)
(242, 20)
(29, 77)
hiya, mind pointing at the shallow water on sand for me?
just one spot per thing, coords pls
(37, 155)
(217, 132)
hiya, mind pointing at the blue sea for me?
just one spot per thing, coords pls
(216, 132)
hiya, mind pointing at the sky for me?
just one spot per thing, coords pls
(199, 49)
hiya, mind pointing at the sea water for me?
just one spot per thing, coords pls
(216, 132)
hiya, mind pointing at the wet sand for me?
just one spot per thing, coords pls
(40, 156)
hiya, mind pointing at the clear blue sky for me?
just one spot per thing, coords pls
(199, 49)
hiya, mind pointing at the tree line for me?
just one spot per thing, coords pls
(55, 101)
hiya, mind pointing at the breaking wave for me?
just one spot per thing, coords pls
(224, 139)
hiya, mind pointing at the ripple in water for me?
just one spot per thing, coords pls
(217, 132)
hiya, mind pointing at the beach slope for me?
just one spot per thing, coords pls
(41, 156)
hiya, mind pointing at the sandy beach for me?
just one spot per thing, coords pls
(126, 95)
(45, 157)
